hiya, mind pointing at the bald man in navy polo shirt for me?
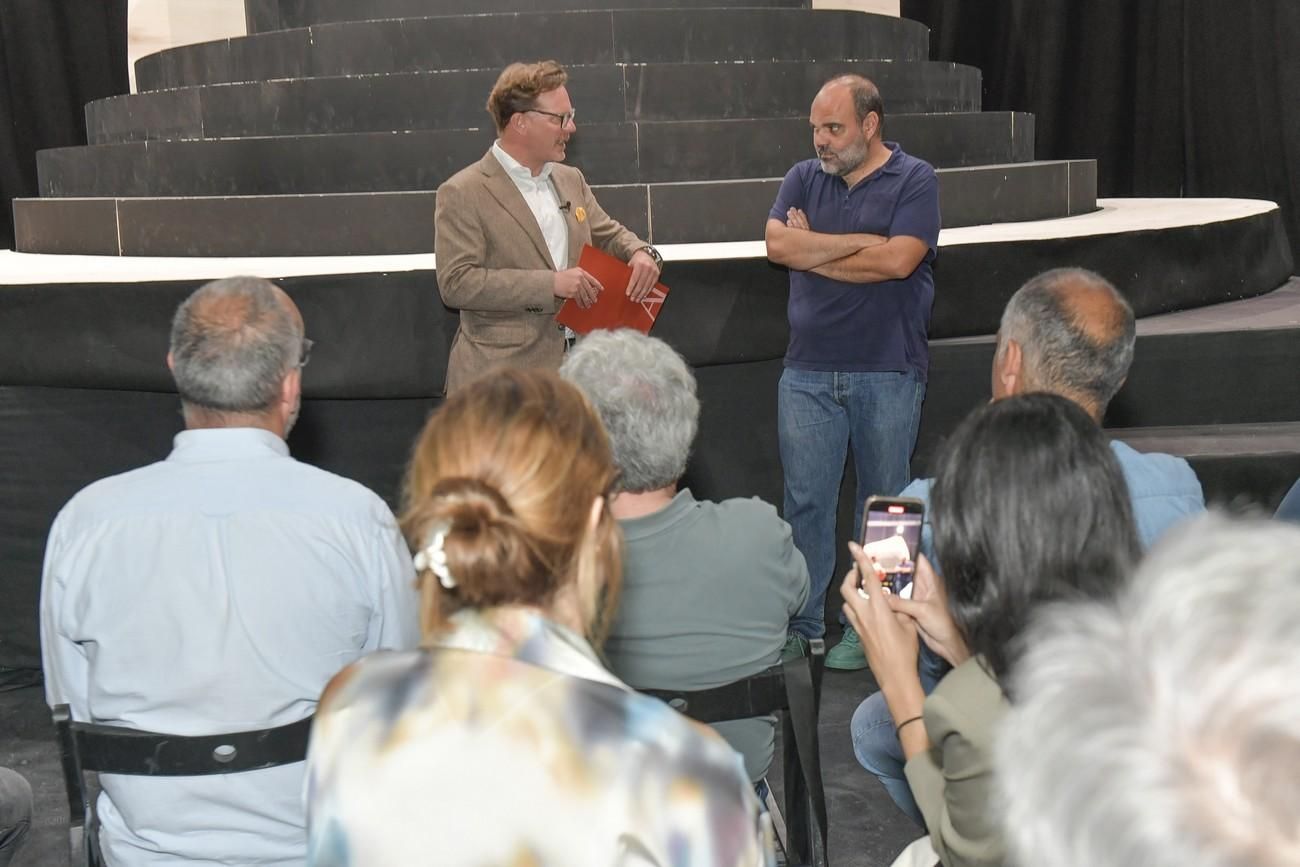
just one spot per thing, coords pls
(857, 226)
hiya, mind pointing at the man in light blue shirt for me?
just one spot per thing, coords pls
(220, 589)
(1069, 332)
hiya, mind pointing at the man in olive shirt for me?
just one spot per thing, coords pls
(708, 588)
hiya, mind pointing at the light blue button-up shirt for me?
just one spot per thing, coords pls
(216, 591)
(1164, 490)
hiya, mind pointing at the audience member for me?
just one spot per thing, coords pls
(504, 740)
(15, 813)
(1163, 729)
(1067, 332)
(220, 589)
(708, 588)
(1030, 506)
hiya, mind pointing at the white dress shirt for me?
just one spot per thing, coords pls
(216, 591)
(539, 193)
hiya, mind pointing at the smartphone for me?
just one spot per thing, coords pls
(891, 536)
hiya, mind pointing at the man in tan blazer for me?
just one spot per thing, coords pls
(510, 229)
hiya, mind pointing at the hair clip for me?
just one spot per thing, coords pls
(434, 557)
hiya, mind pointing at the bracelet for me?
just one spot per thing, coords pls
(899, 727)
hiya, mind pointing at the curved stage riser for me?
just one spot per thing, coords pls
(492, 41)
(367, 224)
(264, 15)
(455, 100)
(389, 334)
(421, 160)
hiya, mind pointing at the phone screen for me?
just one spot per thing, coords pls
(891, 535)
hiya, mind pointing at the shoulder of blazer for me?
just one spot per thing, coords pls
(468, 177)
(488, 165)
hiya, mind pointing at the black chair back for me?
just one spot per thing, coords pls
(117, 750)
(794, 688)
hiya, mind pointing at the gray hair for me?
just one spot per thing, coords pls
(232, 343)
(1163, 728)
(644, 393)
(1065, 352)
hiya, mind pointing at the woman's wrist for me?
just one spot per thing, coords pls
(905, 700)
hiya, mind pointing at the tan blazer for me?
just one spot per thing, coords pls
(494, 266)
(953, 780)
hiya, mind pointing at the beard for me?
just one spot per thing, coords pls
(844, 161)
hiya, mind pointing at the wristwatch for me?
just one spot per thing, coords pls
(654, 254)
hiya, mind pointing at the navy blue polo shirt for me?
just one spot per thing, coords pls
(852, 327)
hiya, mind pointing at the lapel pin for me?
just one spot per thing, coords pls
(580, 214)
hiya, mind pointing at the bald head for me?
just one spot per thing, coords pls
(1073, 335)
(233, 344)
(863, 94)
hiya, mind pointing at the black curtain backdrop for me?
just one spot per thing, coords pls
(55, 56)
(1172, 97)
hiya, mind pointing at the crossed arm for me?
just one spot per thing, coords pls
(852, 258)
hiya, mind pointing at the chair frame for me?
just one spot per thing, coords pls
(793, 687)
(118, 750)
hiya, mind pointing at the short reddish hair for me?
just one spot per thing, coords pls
(518, 87)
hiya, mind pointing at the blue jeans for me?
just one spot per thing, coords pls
(820, 415)
(875, 741)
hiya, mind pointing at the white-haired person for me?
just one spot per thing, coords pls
(709, 588)
(1029, 506)
(1163, 729)
(504, 740)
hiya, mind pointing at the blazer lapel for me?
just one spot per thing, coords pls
(579, 232)
(503, 189)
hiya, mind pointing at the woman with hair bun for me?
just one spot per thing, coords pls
(504, 740)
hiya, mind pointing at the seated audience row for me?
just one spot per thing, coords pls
(559, 566)
(504, 740)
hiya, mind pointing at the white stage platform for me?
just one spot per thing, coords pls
(1114, 216)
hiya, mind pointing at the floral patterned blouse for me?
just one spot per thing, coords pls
(507, 743)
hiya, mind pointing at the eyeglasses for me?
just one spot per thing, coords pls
(565, 119)
(305, 356)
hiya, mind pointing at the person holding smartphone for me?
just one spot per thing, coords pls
(1069, 332)
(1029, 506)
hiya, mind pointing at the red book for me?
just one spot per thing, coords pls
(613, 309)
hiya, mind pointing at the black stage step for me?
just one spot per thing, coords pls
(394, 223)
(265, 15)
(389, 334)
(621, 153)
(455, 100)
(1211, 366)
(1241, 466)
(492, 41)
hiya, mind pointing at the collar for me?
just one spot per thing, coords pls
(524, 633)
(682, 504)
(892, 166)
(226, 443)
(517, 170)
